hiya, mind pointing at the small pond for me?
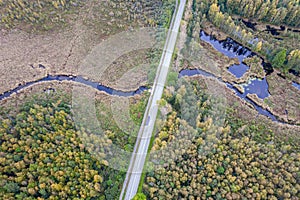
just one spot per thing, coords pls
(258, 87)
(231, 49)
(296, 85)
(238, 70)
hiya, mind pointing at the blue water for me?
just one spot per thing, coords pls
(258, 108)
(254, 85)
(238, 70)
(228, 47)
(77, 79)
(296, 85)
(231, 49)
(258, 87)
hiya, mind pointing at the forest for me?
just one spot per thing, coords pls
(45, 156)
(42, 156)
(206, 159)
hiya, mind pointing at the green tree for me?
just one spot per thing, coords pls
(279, 59)
(139, 196)
(172, 78)
(11, 187)
(220, 170)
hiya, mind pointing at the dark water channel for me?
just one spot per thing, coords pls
(77, 79)
(248, 88)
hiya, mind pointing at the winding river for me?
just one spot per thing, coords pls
(193, 72)
(228, 47)
(141, 89)
(77, 79)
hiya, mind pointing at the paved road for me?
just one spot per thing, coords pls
(137, 161)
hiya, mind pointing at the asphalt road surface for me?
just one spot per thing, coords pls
(139, 154)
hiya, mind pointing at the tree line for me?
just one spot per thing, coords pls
(276, 12)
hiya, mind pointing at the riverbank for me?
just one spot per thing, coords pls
(229, 53)
(245, 111)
